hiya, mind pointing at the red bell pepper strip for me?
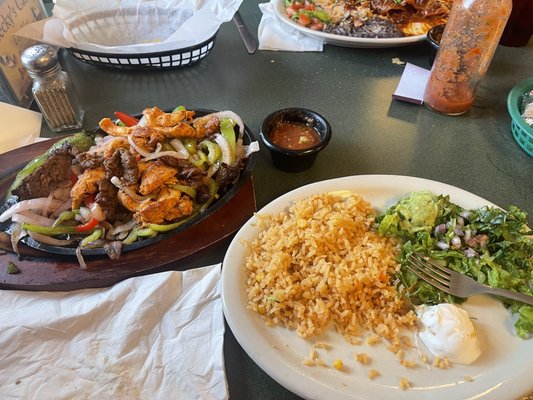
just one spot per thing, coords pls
(88, 226)
(128, 120)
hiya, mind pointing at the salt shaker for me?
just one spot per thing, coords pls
(466, 49)
(52, 89)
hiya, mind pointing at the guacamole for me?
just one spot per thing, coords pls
(414, 213)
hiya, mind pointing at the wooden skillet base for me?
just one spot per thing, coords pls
(44, 271)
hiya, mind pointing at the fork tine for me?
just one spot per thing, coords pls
(424, 273)
(445, 272)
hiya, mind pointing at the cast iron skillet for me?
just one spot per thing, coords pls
(223, 199)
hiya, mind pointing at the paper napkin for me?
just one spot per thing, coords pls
(19, 127)
(274, 35)
(131, 26)
(152, 337)
(412, 84)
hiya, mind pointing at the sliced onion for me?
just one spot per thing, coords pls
(29, 217)
(63, 207)
(142, 121)
(37, 204)
(79, 256)
(212, 170)
(174, 154)
(122, 235)
(234, 117)
(135, 197)
(139, 150)
(179, 147)
(48, 205)
(96, 212)
(224, 147)
(38, 237)
(128, 226)
(251, 148)
(17, 234)
(85, 213)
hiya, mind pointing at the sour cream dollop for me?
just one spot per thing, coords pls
(448, 332)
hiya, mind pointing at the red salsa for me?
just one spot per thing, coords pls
(294, 135)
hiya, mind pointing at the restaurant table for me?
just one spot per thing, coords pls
(372, 133)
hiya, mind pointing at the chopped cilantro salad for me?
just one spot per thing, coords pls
(492, 245)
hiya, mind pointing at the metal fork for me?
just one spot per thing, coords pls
(456, 283)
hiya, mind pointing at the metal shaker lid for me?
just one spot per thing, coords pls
(39, 59)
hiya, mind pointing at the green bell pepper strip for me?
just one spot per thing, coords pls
(213, 151)
(132, 237)
(54, 230)
(147, 232)
(198, 160)
(226, 129)
(136, 233)
(65, 216)
(190, 145)
(169, 227)
(179, 108)
(92, 237)
(188, 190)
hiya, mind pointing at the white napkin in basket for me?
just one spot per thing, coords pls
(275, 35)
(152, 337)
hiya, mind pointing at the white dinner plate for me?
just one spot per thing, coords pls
(340, 40)
(502, 372)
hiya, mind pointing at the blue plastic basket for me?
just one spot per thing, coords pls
(522, 132)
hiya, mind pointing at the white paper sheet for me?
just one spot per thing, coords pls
(152, 337)
(19, 126)
(273, 35)
(131, 26)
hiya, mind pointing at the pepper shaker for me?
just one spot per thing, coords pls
(52, 89)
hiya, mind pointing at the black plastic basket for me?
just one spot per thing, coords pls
(166, 59)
